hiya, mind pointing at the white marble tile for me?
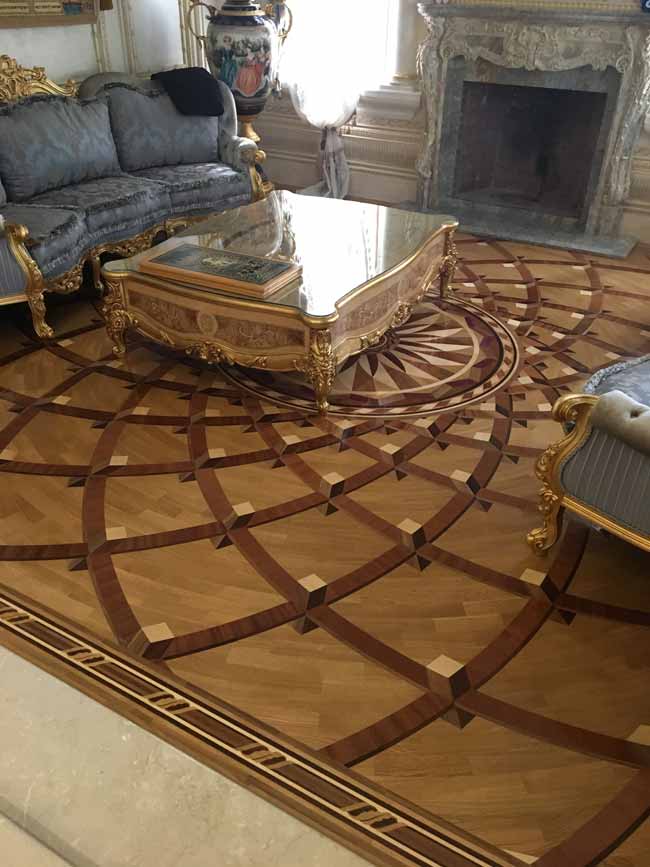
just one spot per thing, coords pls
(20, 849)
(101, 791)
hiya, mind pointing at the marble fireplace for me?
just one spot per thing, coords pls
(534, 110)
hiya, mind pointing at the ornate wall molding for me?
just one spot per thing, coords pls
(127, 30)
(545, 46)
(100, 43)
(193, 54)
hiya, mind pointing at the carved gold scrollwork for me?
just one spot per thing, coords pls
(574, 409)
(116, 316)
(213, 354)
(319, 367)
(401, 315)
(18, 82)
(371, 340)
(69, 282)
(16, 237)
(448, 265)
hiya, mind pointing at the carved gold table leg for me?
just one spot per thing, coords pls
(117, 318)
(448, 266)
(320, 367)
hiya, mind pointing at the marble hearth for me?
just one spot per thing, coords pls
(534, 110)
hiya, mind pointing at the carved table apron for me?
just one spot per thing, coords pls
(224, 328)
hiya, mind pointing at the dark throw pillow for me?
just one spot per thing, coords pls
(192, 90)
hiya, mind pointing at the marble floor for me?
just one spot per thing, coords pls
(20, 849)
(80, 786)
(339, 613)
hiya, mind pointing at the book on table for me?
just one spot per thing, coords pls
(222, 270)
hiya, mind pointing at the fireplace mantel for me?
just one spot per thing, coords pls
(578, 11)
(544, 36)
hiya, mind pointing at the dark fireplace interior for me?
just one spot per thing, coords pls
(528, 147)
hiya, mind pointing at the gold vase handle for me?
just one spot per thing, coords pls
(288, 30)
(269, 10)
(188, 19)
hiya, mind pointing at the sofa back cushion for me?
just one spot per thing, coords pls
(49, 141)
(150, 131)
(3, 195)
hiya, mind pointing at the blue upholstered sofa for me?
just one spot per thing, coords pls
(104, 167)
(601, 469)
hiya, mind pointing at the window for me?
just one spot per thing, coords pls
(339, 45)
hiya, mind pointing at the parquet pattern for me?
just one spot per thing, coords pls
(343, 609)
(449, 354)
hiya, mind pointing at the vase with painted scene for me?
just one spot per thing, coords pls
(242, 46)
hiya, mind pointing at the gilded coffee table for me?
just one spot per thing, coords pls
(364, 269)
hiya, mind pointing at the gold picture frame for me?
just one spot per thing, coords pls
(47, 13)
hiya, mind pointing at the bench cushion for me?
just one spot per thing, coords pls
(150, 131)
(48, 142)
(202, 187)
(57, 236)
(117, 205)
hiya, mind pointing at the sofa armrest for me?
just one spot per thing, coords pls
(14, 276)
(238, 152)
(606, 479)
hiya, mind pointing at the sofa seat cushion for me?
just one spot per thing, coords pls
(150, 131)
(57, 236)
(49, 141)
(113, 205)
(202, 187)
(630, 377)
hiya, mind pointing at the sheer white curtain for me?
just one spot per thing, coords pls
(335, 51)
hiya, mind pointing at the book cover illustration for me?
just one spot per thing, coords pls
(231, 267)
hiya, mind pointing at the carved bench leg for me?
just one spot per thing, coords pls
(36, 303)
(544, 537)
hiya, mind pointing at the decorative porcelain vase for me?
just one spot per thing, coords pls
(242, 45)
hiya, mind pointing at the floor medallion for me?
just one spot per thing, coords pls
(447, 355)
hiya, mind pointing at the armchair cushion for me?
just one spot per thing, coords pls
(121, 204)
(150, 131)
(49, 141)
(624, 419)
(57, 236)
(201, 187)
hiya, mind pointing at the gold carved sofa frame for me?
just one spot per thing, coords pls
(599, 470)
(16, 83)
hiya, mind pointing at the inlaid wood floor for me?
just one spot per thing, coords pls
(343, 614)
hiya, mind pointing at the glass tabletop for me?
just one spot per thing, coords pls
(339, 244)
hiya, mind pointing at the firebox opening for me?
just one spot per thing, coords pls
(528, 147)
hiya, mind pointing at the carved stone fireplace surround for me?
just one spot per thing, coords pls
(538, 36)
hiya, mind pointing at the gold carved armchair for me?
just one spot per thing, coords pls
(600, 470)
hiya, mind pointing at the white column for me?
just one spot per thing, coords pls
(399, 100)
(406, 49)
